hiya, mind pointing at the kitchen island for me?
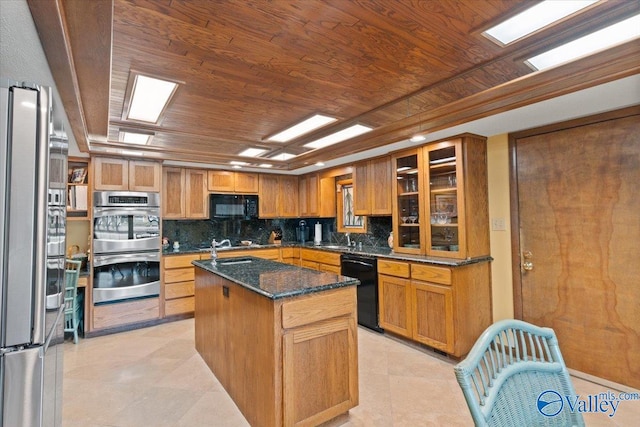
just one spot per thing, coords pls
(282, 340)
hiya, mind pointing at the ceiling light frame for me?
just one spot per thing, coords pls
(339, 136)
(131, 136)
(541, 15)
(131, 92)
(301, 128)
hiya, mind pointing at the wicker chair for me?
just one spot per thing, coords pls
(515, 376)
(72, 301)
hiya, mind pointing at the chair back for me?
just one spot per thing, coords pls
(515, 376)
(71, 276)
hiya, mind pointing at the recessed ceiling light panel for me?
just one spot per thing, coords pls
(302, 128)
(343, 135)
(605, 38)
(134, 137)
(283, 156)
(149, 98)
(252, 152)
(535, 18)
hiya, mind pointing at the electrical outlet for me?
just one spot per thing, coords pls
(498, 224)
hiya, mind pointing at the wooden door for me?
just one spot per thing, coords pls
(196, 195)
(579, 232)
(380, 181)
(144, 176)
(246, 183)
(110, 174)
(395, 304)
(268, 194)
(173, 193)
(221, 181)
(288, 196)
(361, 196)
(433, 315)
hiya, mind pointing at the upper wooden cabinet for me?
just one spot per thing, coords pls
(457, 198)
(278, 196)
(317, 196)
(125, 175)
(232, 182)
(184, 194)
(440, 195)
(372, 187)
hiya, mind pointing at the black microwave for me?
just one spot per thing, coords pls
(233, 206)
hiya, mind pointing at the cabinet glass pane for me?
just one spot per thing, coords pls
(443, 199)
(408, 202)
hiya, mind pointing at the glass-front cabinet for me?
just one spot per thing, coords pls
(446, 201)
(440, 199)
(407, 199)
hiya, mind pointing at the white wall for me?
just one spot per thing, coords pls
(499, 210)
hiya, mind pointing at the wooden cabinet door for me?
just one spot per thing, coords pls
(144, 176)
(327, 198)
(303, 196)
(330, 343)
(379, 182)
(433, 315)
(268, 196)
(110, 174)
(246, 183)
(288, 196)
(173, 197)
(361, 196)
(221, 181)
(196, 195)
(395, 304)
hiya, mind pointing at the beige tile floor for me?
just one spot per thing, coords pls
(154, 377)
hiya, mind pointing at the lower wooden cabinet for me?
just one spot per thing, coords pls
(178, 280)
(320, 260)
(395, 304)
(108, 316)
(446, 308)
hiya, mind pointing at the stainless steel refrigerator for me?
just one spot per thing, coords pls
(33, 176)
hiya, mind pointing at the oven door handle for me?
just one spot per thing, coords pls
(125, 211)
(100, 260)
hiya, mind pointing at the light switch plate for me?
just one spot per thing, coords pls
(498, 224)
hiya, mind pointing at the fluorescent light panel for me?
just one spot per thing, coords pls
(252, 152)
(605, 38)
(149, 98)
(283, 156)
(134, 137)
(343, 135)
(302, 128)
(265, 165)
(238, 163)
(535, 18)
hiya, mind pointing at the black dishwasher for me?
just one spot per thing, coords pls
(364, 269)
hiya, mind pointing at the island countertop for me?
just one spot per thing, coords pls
(275, 280)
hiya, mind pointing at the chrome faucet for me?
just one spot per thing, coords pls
(226, 243)
(348, 239)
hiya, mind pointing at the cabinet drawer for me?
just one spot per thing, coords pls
(330, 268)
(179, 306)
(393, 268)
(429, 273)
(290, 252)
(177, 261)
(309, 264)
(273, 254)
(179, 275)
(178, 290)
(111, 315)
(306, 310)
(320, 256)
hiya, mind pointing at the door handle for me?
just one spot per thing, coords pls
(527, 264)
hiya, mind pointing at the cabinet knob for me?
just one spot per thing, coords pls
(527, 266)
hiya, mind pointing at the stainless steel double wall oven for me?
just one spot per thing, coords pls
(126, 245)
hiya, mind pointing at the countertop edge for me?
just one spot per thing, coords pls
(450, 262)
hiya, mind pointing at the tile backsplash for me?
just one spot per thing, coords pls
(201, 232)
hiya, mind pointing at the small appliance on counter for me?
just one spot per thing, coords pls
(302, 232)
(275, 238)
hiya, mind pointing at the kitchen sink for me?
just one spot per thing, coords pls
(338, 247)
(235, 261)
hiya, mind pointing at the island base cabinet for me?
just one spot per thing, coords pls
(284, 362)
(319, 382)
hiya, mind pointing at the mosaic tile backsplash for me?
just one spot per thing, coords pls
(201, 232)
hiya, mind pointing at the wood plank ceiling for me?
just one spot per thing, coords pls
(249, 69)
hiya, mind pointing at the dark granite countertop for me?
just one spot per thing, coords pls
(272, 279)
(372, 251)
